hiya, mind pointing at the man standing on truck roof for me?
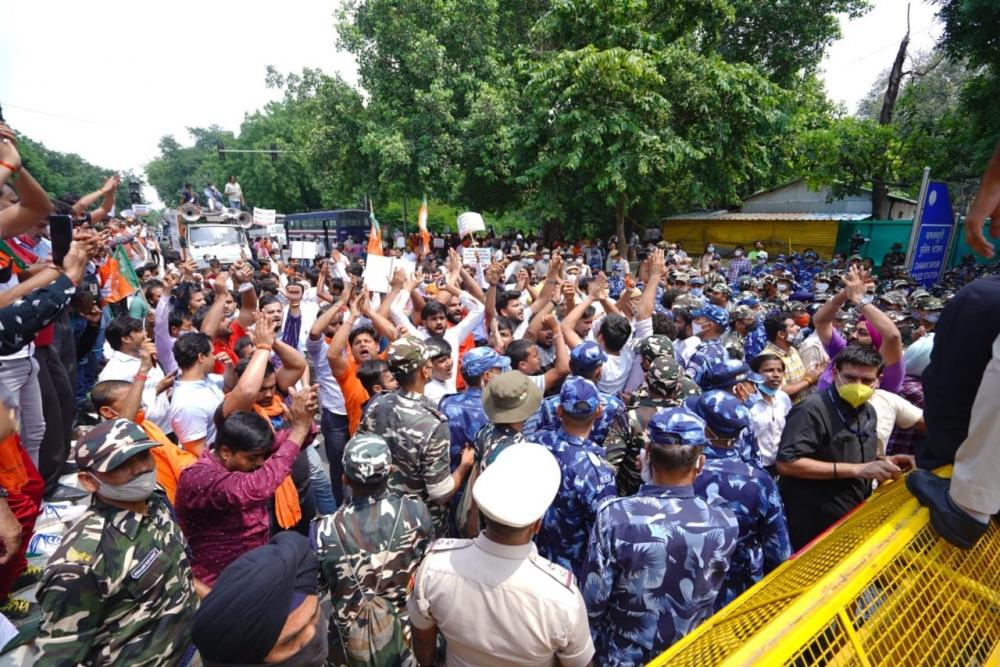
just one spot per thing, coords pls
(234, 193)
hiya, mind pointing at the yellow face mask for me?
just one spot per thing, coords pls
(856, 394)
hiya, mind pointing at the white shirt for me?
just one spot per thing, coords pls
(233, 191)
(193, 407)
(812, 352)
(500, 605)
(767, 419)
(618, 367)
(330, 396)
(892, 410)
(436, 390)
(124, 367)
(685, 349)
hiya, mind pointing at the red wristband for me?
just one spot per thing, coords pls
(9, 166)
(139, 377)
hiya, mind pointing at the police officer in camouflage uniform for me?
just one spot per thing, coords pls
(417, 433)
(585, 361)
(650, 349)
(746, 490)
(709, 323)
(656, 560)
(745, 338)
(119, 588)
(663, 390)
(509, 400)
(370, 546)
(587, 478)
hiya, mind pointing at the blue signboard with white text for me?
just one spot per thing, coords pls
(936, 225)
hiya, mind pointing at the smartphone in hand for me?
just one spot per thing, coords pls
(61, 235)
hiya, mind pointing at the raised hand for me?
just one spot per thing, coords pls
(263, 333)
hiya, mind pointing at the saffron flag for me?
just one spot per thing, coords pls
(375, 236)
(425, 236)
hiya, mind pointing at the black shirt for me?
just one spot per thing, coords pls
(826, 428)
(963, 346)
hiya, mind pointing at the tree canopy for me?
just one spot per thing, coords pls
(588, 115)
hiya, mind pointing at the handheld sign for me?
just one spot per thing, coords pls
(263, 216)
(469, 222)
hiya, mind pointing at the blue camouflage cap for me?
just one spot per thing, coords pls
(697, 280)
(717, 314)
(579, 397)
(729, 373)
(677, 426)
(585, 357)
(367, 459)
(478, 360)
(723, 413)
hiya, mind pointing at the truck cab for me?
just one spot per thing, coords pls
(225, 242)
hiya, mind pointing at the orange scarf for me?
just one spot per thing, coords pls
(12, 473)
(286, 498)
(169, 458)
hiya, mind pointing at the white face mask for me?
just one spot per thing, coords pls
(696, 328)
(711, 249)
(738, 253)
(782, 287)
(136, 489)
(932, 317)
(822, 287)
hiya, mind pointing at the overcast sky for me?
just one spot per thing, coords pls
(171, 65)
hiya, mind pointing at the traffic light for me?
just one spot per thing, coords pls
(135, 192)
(222, 151)
(274, 152)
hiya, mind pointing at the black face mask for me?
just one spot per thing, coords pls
(312, 654)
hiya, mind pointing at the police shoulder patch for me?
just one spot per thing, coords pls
(557, 572)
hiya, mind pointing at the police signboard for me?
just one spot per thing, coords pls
(931, 236)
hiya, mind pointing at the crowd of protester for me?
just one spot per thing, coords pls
(573, 452)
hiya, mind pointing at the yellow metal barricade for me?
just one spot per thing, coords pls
(879, 589)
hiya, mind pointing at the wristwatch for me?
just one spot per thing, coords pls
(3, 492)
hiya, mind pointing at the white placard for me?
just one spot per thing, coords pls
(140, 209)
(437, 242)
(399, 242)
(469, 256)
(263, 216)
(379, 270)
(469, 222)
(303, 249)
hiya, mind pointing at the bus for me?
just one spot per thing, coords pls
(330, 226)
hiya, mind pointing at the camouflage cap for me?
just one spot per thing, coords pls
(579, 397)
(723, 413)
(677, 426)
(928, 303)
(894, 298)
(740, 313)
(409, 353)
(729, 373)
(716, 314)
(663, 375)
(111, 443)
(655, 346)
(478, 360)
(367, 459)
(586, 357)
(721, 288)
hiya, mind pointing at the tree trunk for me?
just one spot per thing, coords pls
(880, 189)
(620, 226)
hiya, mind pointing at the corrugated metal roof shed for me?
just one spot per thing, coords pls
(737, 216)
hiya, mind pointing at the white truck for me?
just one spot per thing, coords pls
(213, 236)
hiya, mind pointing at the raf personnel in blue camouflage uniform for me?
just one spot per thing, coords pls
(465, 410)
(747, 491)
(656, 560)
(734, 378)
(587, 478)
(585, 361)
(709, 323)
